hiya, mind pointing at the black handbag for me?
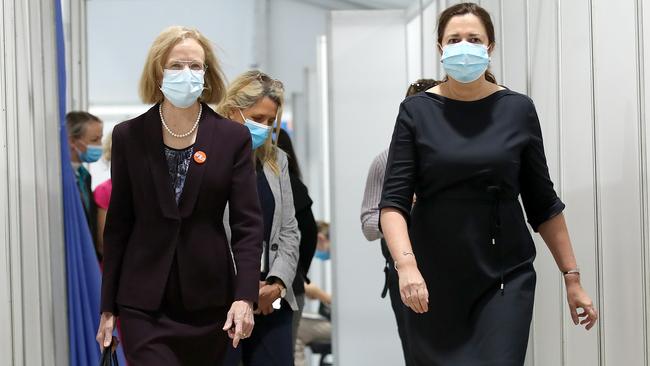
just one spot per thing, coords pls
(325, 311)
(109, 356)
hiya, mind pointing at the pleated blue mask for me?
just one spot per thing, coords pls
(322, 254)
(92, 153)
(464, 61)
(182, 87)
(259, 132)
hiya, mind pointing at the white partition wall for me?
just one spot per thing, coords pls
(33, 324)
(367, 83)
(617, 118)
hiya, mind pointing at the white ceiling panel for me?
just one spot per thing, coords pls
(361, 4)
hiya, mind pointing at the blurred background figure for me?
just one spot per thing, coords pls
(102, 193)
(255, 100)
(315, 330)
(370, 227)
(85, 138)
(306, 224)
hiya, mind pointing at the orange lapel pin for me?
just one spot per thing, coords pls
(200, 157)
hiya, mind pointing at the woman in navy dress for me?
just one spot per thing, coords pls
(468, 148)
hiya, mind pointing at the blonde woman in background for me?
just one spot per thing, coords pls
(255, 100)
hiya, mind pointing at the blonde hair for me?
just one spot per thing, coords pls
(108, 145)
(153, 68)
(248, 89)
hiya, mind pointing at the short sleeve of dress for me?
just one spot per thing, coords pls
(538, 195)
(102, 194)
(401, 166)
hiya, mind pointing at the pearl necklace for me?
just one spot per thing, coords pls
(180, 136)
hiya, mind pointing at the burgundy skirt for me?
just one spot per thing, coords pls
(173, 336)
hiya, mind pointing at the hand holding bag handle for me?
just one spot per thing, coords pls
(109, 356)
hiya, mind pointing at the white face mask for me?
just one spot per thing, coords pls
(182, 87)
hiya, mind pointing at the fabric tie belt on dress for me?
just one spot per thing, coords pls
(496, 195)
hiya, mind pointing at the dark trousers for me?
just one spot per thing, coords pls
(399, 309)
(270, 344)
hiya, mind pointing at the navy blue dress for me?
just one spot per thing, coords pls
(468, 162)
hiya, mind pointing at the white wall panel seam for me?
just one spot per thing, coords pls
(600, 327)
(84, 53)
(23, 115)
(502, 48)
(18, 324)
(328, 109)
(560, 180)
(54, 255)
(45, 203)
(22, 26)
(406, 49)
(35, 67)
(421, 40)
(329, 192)
(642, 170)
(5, 307)
(528, 65)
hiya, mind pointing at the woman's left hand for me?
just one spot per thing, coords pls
(578, 299)
(268, 294)
(239, 322)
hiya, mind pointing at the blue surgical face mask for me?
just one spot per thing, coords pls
(259, 132)
(92, 153)
(182, 87)
(322, 254)
(465, 62)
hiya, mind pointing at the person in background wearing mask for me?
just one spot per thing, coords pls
(370, 227)
(468, 148)
(85, 139)
(323, 243)
(170, 274)
(255, 100)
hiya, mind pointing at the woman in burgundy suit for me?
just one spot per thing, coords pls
(170, 275)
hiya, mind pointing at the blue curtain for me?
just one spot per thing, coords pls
(82, 270)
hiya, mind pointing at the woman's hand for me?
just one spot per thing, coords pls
(268, 294)
(239, 322)
(412, 288)
(578, 299)
(105, 331)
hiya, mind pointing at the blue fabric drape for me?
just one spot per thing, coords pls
(82, 270)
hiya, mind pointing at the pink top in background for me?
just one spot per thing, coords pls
(103, 194)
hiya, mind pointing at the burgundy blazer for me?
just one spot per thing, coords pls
(145, 226)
